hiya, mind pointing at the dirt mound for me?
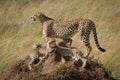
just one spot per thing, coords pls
(53, 69)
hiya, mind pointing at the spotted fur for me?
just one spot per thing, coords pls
(67, 53)
(65, 43)
(67, 29)
(36, 55)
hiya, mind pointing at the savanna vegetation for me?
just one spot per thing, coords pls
(18, 32)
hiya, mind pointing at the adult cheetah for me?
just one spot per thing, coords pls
(67, 29)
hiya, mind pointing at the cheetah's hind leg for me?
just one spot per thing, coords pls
(86, 42)
(51, 44)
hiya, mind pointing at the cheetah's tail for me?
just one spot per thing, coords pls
(96, 40)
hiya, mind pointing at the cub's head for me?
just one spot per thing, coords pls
(36, 46)
(52, 43)
(37, 16)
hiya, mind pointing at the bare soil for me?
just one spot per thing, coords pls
(54, 69)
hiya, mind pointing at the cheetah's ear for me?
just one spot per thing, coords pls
(34, 46)
(39, 13)
(38, 45)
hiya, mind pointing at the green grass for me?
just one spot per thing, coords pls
(18, 32)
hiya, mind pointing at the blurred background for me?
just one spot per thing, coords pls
(18, 32)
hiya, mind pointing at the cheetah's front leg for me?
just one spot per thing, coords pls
(30, 65)
(51, 44)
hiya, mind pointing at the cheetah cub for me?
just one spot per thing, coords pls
(65, 43)
(36, 55)
(69, 53)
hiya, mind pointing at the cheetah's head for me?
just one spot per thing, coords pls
(37, 16)
(36, 46)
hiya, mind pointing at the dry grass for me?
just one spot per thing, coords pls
(18, 32)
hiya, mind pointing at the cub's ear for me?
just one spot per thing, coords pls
(36, 14)
(38, 45)
(34, 46)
